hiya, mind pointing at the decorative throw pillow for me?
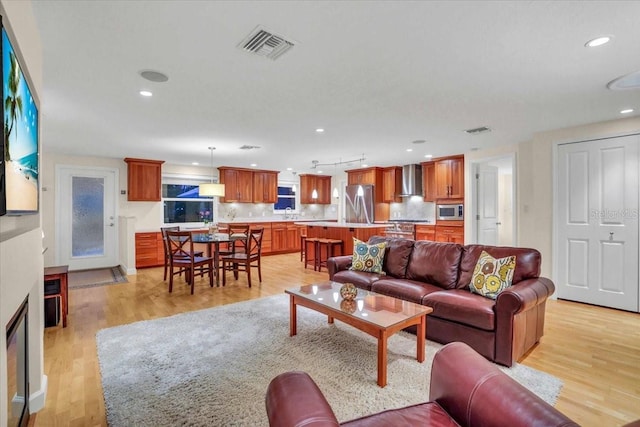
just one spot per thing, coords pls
(368, 257)
(492, 276)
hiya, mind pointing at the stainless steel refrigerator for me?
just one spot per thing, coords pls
(359, 203)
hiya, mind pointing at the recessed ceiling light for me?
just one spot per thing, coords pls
(365, 165)
(409, 149)
(319, 171)
(319, 130)
(428, 156)
(289, 169)
(627, 111)
(253, 165)
(599, 41)
(145, 93)
(195, 163)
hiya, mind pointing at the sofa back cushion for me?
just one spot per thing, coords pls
(527, 262)
(436, 263)
(396, 256)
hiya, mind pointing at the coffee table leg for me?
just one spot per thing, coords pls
(293, 327)
(421, 333)
(382, 359)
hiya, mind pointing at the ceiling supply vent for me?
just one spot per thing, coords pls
(476, 131)
(249, 147)
(265, 43)
(411, 180)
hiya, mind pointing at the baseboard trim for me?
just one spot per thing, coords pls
(38, 398)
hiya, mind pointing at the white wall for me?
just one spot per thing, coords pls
(21, 261)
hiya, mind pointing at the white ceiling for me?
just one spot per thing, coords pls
(376, 75)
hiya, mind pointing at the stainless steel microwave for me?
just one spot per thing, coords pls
(450, 212)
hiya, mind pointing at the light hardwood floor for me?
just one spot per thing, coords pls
(594, 350)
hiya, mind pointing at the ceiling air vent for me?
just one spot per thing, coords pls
(476, 131)
(249, 147)
(265, 43)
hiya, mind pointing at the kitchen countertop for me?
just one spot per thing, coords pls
(343, 224)
(269, 219)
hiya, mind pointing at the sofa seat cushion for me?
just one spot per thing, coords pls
(424, 414)
(361, 279)
(460, 305)
(435, 262)
(407, 290)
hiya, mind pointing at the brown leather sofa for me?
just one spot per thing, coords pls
(438, 275)
(465, 390)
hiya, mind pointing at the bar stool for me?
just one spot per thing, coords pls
(311, 243)
(303, 238)
(329, 245)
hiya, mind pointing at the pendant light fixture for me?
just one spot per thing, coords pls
(211, 189)
(336, 194)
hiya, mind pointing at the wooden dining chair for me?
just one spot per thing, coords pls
(239, 235)
(165, 246)
(182, 258)
(244, 261)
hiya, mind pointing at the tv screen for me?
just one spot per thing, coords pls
(20, 136)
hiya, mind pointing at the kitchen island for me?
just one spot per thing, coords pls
(344, 231)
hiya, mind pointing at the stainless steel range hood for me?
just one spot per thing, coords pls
(411, 180)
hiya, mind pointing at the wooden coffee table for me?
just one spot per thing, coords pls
(377, 315)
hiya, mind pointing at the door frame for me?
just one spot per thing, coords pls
(471, 211)
(555, 147)
(58, 214)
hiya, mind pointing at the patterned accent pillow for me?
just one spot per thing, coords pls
(368, 257)
(492, 276)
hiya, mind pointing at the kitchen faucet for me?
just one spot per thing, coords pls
(287, 213)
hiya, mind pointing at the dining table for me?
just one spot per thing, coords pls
(213, 242)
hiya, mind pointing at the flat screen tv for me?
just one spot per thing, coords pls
(20, 143)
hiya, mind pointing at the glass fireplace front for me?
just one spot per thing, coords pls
(18, 368)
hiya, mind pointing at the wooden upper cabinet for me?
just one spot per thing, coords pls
(368, 176)
(392, 184)
(144, 180)
(238, 184)
(320, 183)
(449, 178)
(429, 181)
(265, 187)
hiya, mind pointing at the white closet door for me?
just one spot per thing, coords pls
(598, 222)
(487, 216)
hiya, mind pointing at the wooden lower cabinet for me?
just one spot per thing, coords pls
(285, 237)
(450, 234)
(426, 232)
(346, 234)
(149, 249)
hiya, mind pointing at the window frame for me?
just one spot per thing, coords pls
(182, 179)
(296, 197)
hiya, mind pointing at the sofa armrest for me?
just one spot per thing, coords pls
(475, 392)
(338, 263)
(294, 399)
(524, 295)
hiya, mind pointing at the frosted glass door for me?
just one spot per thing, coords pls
(85, 217)
(87, 220)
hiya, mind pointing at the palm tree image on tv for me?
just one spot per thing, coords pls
(20, 134)
(12, 103)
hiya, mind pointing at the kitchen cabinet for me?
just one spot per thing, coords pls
(368, 176)
(320, 183)
(449, 177)
(425, 232)
(266, 235)
(149, 249)
(450, 234)
(238, 184)
(265, 187)
(392, 184)
(429, 181)
(144, 180)
(285, 237)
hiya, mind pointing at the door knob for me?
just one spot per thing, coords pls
(498, 223)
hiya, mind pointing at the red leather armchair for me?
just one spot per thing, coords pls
(466, 390)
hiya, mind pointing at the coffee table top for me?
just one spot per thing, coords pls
(380, 310)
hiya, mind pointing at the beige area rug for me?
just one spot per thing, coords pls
(98, 277)
(212, 367)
